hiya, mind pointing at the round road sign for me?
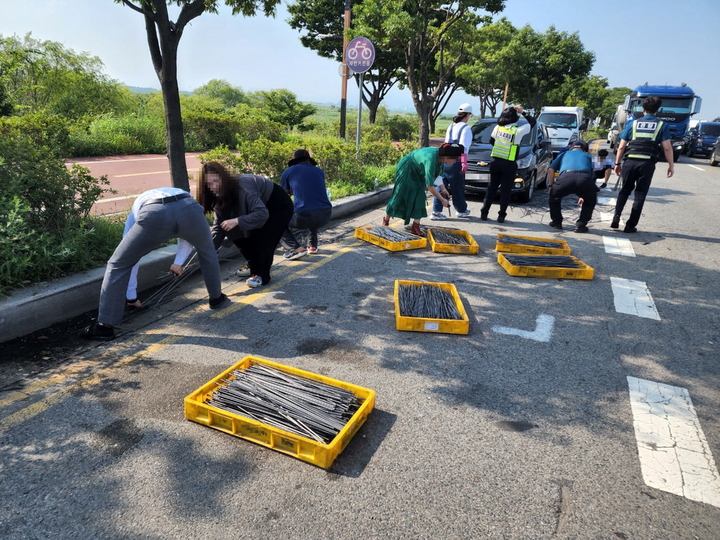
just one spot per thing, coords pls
(360, 54)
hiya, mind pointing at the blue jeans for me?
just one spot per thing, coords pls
(455, 183)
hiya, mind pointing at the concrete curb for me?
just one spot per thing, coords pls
(33, 308)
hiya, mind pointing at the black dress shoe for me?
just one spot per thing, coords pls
(501, 218)
(483, 216)
(580, 228)
(615, 223)
(629, 229)
(98, 332)
(555, 225)
(215, 303)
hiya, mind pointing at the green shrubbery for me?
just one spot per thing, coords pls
(46, 230)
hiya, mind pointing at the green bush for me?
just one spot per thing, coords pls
(45, 227)
(111, 135)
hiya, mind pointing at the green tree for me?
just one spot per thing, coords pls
(284, 107)
(431, 35)
(323, 26)
(587, 92)
(483, 75)
(230, 96)
(45, 76)
(538, 64)
(163, 37)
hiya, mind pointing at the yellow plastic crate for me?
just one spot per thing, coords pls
(437, 247)
(419, 324)
(363, 234)
(561, 247)
(278, 439)
(584, 272)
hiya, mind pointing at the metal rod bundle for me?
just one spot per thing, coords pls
(306, 407)
(393, 235)
(527, 242)
(550, 261)
(428, 302)
(447, 237)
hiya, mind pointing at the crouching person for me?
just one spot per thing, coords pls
(576, 177)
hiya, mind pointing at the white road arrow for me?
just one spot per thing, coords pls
(543, 329)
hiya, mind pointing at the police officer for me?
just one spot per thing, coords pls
(505, 138)
(576, 176)
(642, 138)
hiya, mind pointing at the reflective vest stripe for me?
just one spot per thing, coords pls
(505, 147)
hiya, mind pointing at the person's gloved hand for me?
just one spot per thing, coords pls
(463, 163)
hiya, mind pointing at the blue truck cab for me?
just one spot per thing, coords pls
(679, 103)
(702, 138)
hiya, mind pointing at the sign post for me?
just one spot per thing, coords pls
(359, 57)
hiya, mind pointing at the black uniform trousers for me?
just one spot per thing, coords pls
(579, 183)
(502, 174)
(259, 247)
(636, 175)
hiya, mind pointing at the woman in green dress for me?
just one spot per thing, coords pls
(416, 172)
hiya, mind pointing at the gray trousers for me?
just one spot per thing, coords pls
(157, 223)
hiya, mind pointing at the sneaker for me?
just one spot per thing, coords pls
(581, 228)
(466, 213)
(603, 185)
(97, 331)
(244, 271)
(615, 223)
(629, 229)
(295, 254)
(312, 250)
(438, 216)
(254, 282)
(555, 225)
(215, 303)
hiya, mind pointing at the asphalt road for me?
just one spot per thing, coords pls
(526, 428)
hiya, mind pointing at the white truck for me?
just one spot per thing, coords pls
(563, 125)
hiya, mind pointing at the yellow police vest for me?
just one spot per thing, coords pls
(505, 147)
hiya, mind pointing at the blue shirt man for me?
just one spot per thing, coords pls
(305, 181)
(640, 138)
(576, 176)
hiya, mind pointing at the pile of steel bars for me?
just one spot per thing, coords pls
(393, 235)
(528, 242)
(306, 407)
(427, 301)
(447, 237)
(550, 261)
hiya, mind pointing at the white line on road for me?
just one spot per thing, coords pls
(603, 217)
(607, 200)
(543, 329)
(696, 167)
(115, 160)
(618, 246)
(633, 298)
(674, 454)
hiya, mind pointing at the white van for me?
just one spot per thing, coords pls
(563, 125)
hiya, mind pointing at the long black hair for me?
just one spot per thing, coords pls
(229, 187)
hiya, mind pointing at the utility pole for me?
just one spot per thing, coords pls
(343, 92)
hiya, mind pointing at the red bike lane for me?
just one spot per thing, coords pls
(131, 175)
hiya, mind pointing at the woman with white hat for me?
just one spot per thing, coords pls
(458, 132)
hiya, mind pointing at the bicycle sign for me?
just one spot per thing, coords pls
(360, 55)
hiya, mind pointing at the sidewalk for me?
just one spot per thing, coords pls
(33, 308)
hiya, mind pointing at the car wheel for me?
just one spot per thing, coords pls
(690, 152)
(526, 195)
(714, 162)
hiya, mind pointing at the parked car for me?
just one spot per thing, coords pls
(702, 138)
(715, 154)
(534, 157)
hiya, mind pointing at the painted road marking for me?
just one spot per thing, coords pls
(618, 246)
(543, 329)
(607, 200)
(148, 173)
(633, 298)
(603, 216)
(674, 454)
(696, 167)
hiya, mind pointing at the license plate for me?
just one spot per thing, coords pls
(477, 176)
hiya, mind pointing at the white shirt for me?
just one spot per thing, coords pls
(460, 132)
(184, 247)
(600, 164)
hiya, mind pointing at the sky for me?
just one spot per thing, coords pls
(658, 42)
